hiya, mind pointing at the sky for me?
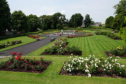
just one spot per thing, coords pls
(98, 10)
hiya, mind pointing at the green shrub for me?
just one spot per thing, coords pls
(73, 49)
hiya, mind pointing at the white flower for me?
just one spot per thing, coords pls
(104, 69)
(71, 53)
(99, 61)
(115, 60)
(77, 68)
(70, 56)
(89, 75)
(122, 65)
(87, 70)
(86, 59)
(96, 65)
(60, 45)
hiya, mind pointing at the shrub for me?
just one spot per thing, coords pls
(92, 65)
(73, 49)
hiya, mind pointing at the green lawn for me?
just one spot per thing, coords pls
(94, 45)
(25, 40)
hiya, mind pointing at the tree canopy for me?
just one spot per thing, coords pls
(87, 20)
(5, 16)
(76, 20)
(109, 21)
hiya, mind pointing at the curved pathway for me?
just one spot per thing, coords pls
(28, 48)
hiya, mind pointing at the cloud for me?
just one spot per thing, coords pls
(51, 13)
(62, 12)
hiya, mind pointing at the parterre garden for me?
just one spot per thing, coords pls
(92, 67)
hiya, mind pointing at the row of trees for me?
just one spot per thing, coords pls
(18, 21)
(118, 21)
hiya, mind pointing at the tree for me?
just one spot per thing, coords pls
(92, 22)
(76, 20)
(117, 22)
(47, 21)
(34, 22)
(58, 18)
(109, 21)
(20, 21)
(120, 7)
(5, 17)
(87, 20)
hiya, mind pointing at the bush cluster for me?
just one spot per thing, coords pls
(3, 45)
(94, 66)
(57, 47)
(109, 34)
(18, 63)
(118, 51)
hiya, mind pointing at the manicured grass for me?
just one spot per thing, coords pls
(94, 45)
(25, 40)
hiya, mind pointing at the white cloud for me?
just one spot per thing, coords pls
(51, 13)
(62, 12)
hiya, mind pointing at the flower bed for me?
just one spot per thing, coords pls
(58, 48)
(24, 65)
(92, 66)
(33, 36)
(3, 45)
(73, 36)
(119, 51)
(110, 35)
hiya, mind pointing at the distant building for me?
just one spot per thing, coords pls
(103, 24)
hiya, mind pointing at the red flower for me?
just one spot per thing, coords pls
(41, 62)
(13, 53)
(14, 57)
(11, 63)
(24, 57)
(26, 61)
(20, 53)
(34, 57)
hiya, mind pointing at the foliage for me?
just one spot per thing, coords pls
(118, 51)
(5, 20)
(87, 20)
(95, 66)
(34, 22)
(20, 21)
(76, 20)
(109, 21)
(3, 45)
(73, 49)
(109, 34)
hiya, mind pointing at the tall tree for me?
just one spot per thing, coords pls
(120, 7)
(76, 20)
(19, 21)
(5, 17)
(58, 19)
(34, 22)
(109, 21)
(87, 20)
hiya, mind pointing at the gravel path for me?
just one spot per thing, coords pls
(28, 48)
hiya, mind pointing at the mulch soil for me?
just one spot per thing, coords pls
(80, 73)
(22, 69)
(66, 53)
(79, 53)
(109, 54)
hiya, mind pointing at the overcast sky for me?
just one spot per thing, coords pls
(98, 10)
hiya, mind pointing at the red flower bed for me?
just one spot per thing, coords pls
(33, 36)
(76, 31)
(24, 65)
(73, 36)
(89, 34)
